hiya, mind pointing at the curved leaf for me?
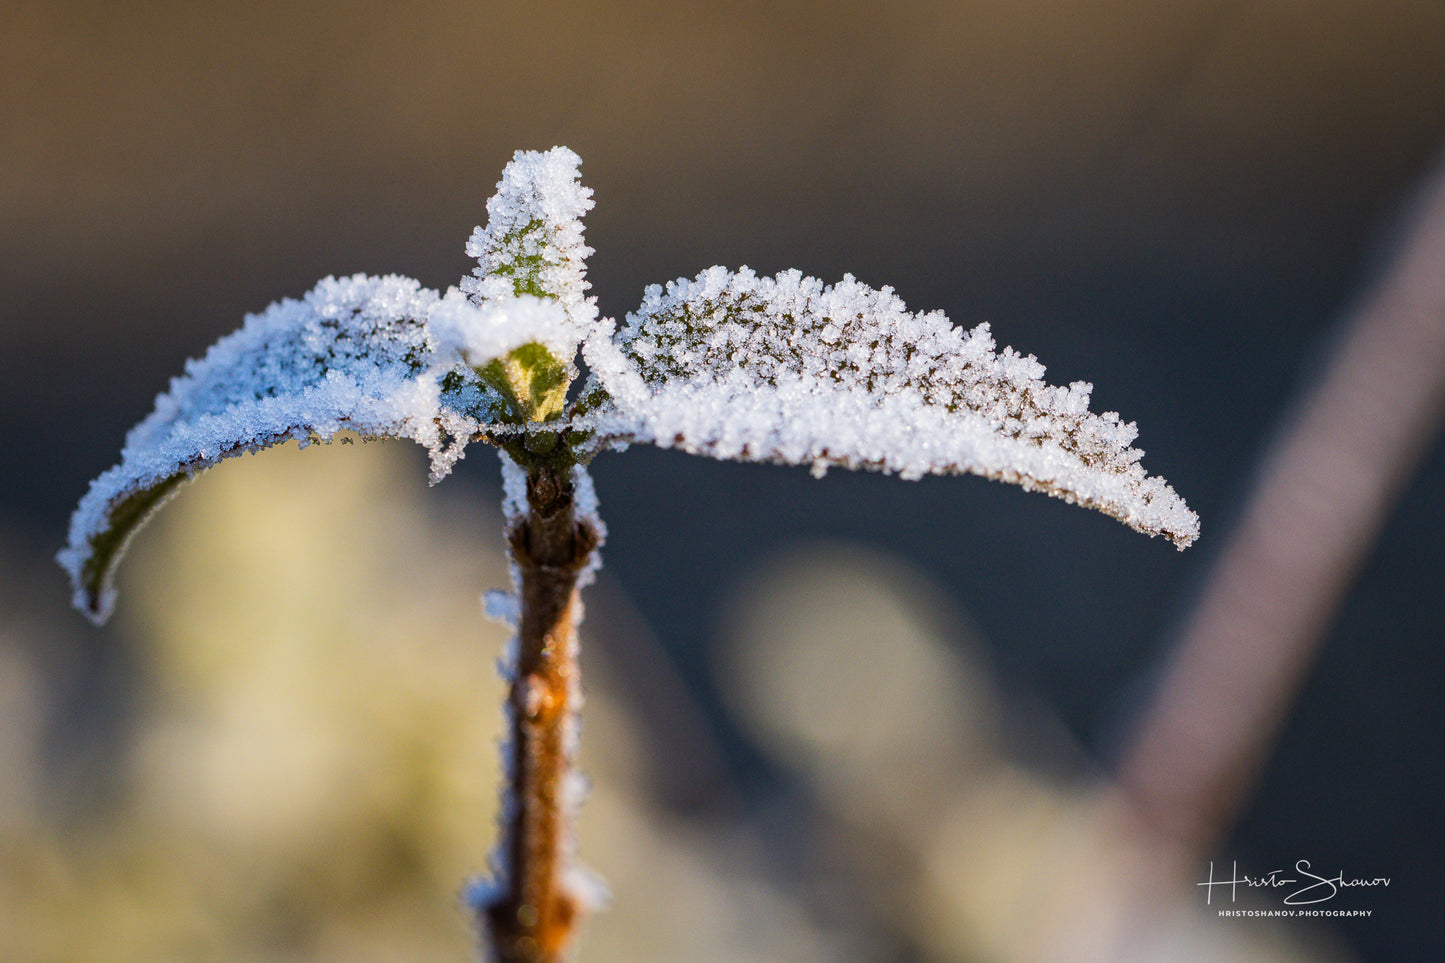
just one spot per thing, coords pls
(353, 354)
(786, 369)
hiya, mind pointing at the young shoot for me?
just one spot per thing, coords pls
(731, 365)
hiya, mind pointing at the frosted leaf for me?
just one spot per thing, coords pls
(532, 244)
(789, 370)
(353, 354)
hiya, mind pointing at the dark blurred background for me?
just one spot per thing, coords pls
(1175, 201)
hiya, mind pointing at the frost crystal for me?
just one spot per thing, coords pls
(500, 326)
(786, 369)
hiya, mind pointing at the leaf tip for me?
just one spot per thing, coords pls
(100, 532)
(93, 599)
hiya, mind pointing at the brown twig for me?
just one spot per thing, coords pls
(1322, 495)
(533, 916)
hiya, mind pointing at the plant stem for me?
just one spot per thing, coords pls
(532, 917)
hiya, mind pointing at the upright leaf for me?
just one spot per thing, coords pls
(532, 243)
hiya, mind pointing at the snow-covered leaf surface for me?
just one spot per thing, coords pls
(353, 354)
(789, 370)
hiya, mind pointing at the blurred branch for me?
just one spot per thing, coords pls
(1324, 490)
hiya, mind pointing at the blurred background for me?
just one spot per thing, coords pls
(853, 718)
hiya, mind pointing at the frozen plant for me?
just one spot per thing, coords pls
(732, 365)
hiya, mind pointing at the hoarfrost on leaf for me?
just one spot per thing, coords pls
(789, 370)
(500, 326)
(352, 354)
(518, 345)
(532, 243)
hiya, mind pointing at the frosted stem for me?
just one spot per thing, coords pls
(532, 917)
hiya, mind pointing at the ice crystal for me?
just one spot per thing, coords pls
(499, 327)
(352, 354)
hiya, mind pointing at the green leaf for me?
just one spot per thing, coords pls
(533, 382)
(532, 244)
